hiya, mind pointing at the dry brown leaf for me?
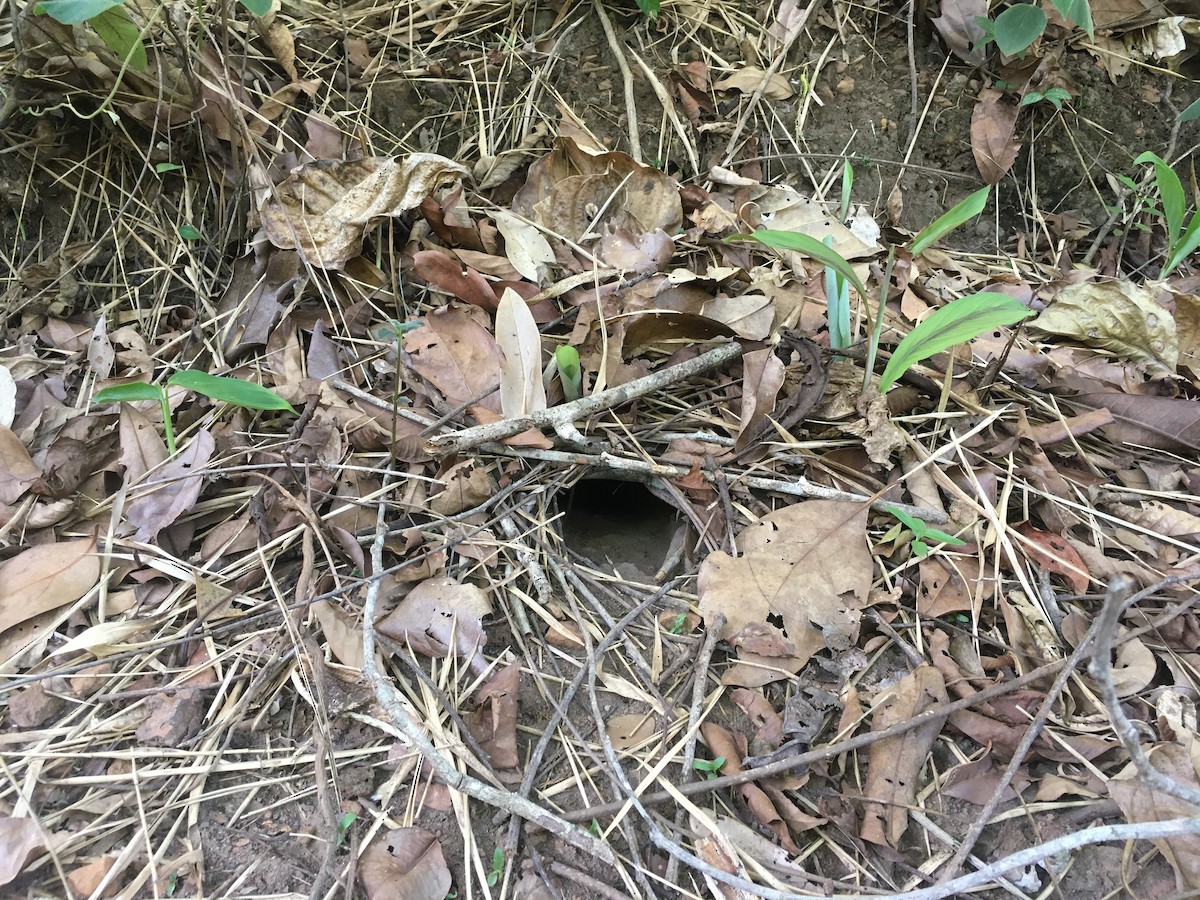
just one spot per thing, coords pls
(895, 763)
(20, 838)
(323, 208)
(17, 471)
(86, 878)
(457, 355)
(440, 614)
(494, 722)
(762, 714)
(172, 490)
(761, 383)
(750, 78)
(807, 564)
(1159, 518)
(960, 29)
(724, 744)
(521, 388)
(45, 577)
(993, 125)
(1055, 554)
(953, 584)
(342, 633)
(783, 208)
(1141, 803)
(405, 864)
(141, 447)
(1118, 316)
(438, 268)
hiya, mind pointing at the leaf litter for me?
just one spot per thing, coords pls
(793, 698)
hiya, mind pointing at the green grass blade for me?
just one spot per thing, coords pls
(963, 319)
(809, 246)
(1170, 193)
(230, 390)
(125, 393)
(1188, 242)
(968, 209)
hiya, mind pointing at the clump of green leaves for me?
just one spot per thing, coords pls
(110, 20)
(958, 321)
(233, 391)
(920, 531)
(1055, 96)
(1182, 239)
(1018, 26)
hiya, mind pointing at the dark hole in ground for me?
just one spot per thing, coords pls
(618, 524)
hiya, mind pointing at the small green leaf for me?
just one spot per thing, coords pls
(1170, 192)
(124, 37)
(1018, 27)
(74, 12)
(189, 232)
(920, 547)
(125, 393)
(649, 7)
(958, 321)
(837, 308)
(1030, 98)
(1079, 12)
(1192, 112)
(258, 7)
(163, 168)
(1058, 96)
(964, 211)
(944, 538)
(809, 246)
(567, 359)
(246, 394)
(915, 525)
(1188, 242)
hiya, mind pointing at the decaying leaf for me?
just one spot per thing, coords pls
(1117, 316)
(806, 564)
(751, 78)
(960, 29)
(44, 578)
(494, 722)
(457, 355)
(993, 126)
(1141, 803)
(172, 489)
(894, 769)
(440, 616)
(404, 864)
(20, 838)
(521, 387)
(323, 208)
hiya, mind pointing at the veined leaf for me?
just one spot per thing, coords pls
(958, 321)
(124, 37)
(964, 211)
(1079, 12)
(74, 12)
(1018, 27)
(809, 246)
(125, 393)
(246, 394)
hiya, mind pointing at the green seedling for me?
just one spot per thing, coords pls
(919, 531)
(1056, 96)
(189, 232)
(1192, 112)
(111, 22)
(837, 299)
(1181, 239)
(678, 623)
(497, 872)
(594, 828)
(1015, 29)
(649, 7)
(233, 391)
(962, 320)
(345, 820)
(709, 767)
(567, 359)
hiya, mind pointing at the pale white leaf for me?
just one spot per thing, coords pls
(521, 388)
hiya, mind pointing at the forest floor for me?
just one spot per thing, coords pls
(750, 628)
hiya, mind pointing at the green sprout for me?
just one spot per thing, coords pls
(345, 820)
(1181, 240)
(710, 767)
(919, 530)
(567, 359)
(497, 872)
(233, 391)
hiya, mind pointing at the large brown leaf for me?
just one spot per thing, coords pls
(993, 124)
(323, 208)
(44, 578)
(457, 355)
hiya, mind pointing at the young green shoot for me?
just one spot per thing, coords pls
(569, 374)
(233, 391)
(962, 212)
(920, 531)
(1181, 240)
(837, 299)
(345, 820)
(710, 767)
(497, 872)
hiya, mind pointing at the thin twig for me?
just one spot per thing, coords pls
(635, 141)
(389, 699)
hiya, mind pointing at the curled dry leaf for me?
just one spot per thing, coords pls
(440, 616)
(1055, 554)
(405, 864)
(993, 126)
(494, 723)
(323, 208)
(17, 470)
(894, 769)
(750, 78)
(521, 388)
